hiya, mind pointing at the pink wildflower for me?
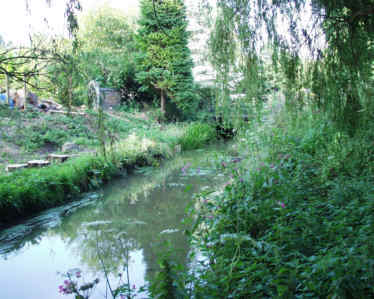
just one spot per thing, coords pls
(281, 204)
(61, 289)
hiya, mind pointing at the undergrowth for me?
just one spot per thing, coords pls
(295, 220)
(197, 135)
(32, 130)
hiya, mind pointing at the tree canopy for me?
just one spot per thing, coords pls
(325, 46)
(165, 63)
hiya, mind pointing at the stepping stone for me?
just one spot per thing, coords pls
(38, 163)
(60, 158)
(13, 167)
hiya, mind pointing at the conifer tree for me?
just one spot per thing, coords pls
(165, 63)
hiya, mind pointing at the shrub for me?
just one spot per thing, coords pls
(197, 135)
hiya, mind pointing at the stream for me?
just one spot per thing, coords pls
(121, 230)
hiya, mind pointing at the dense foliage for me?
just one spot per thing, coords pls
(164, 63)
(108, 52)
(297, 224)
(105, 52)
(322, 46)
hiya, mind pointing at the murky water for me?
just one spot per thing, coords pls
(120, 230)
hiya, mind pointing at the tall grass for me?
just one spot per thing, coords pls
(197, 135)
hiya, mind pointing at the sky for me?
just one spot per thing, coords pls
(16, 22)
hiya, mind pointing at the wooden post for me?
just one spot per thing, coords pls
(70, 92)
(59, 158)
(163, 108)
(7, 89)
(25, 91)
(12, 167)
(38, 163)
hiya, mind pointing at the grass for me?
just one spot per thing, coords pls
(31, 131)
(27, 135)
(197, 135)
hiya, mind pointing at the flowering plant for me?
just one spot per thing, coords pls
(71, 285)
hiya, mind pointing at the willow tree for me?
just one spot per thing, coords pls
(323, 45)
(165, 64)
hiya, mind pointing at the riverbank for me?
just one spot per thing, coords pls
(29, 191)
(33, 134)
(295, 220)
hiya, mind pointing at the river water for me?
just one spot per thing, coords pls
(121, 230)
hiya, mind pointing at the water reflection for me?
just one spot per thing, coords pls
(126, 228)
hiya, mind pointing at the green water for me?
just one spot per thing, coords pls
(121, 230)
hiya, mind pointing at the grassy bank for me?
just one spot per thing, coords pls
(33, 134)
(31, 190)
(295, 221)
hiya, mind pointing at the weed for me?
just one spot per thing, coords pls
(197, 135)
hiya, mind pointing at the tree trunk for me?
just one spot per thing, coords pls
(70, 92)
(163, 109)
(25, 92)
(7, 89)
